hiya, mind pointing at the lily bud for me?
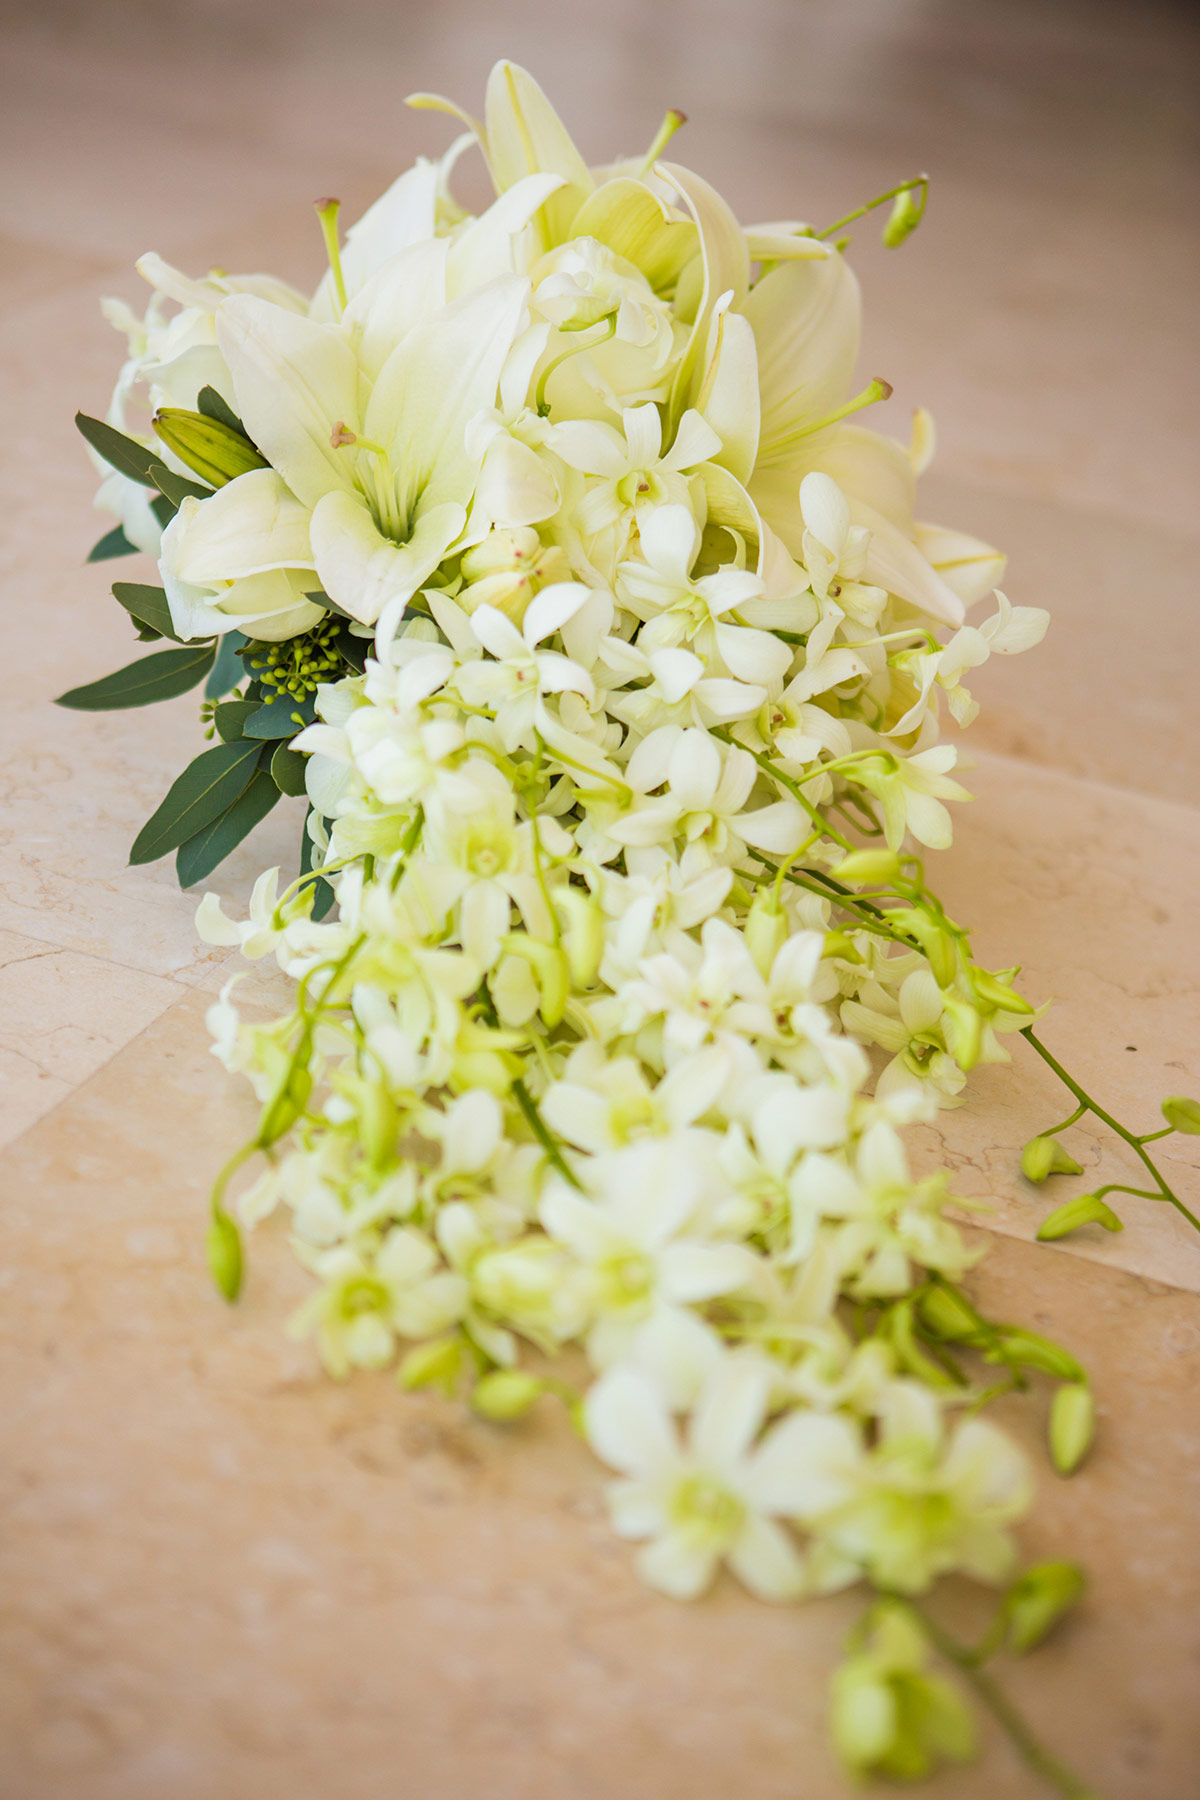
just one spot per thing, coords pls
(1072, 1426)
(766, 930)
(1183, 1114)
(1038, 1599)
(223, 1253)
(437, 1363)
(874, 866)
(506, 1394)
(214, 450)
(1045, 1156)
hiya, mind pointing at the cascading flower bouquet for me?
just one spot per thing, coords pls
(546, 553)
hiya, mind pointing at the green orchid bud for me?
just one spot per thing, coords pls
(878, 867)
(909, 1353)
(907, 211)
(998, 995)
(840, 944)
(549, 965)
(1038, 1599)
(378, 1123)
(437, 1363)
(766, 930)
(214, 450)
(583, 936)
(939, 946)
(1045, 1156)
(1033, 1351)
(285, 1105)
(1085, 1209)
(1072, 1426)
(1182, 1114)
(506, 1394)
(223, 1253)
(948, 1316)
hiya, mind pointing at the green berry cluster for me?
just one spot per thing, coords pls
(294, 668)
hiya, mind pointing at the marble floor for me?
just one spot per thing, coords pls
(224, 1577)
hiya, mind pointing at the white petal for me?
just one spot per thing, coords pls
(550, 609)
(675, 1566)
(627, 1424)
(731, 1409)
(690, 1272)
(252, 524)
(767, 1560)
(805, 1465)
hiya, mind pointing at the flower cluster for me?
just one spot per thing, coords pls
(584, 1056)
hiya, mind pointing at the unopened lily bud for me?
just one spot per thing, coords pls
(1038, 1599)
(766, 930)
(1085, 1209)
(506, 1394)
(1045, 1156)
(1183, 1114)
(998, 995)
(1072, 1426)
(437, 1363)
(223, 1252)
(874, 866)
(214, 450)
(502, 552)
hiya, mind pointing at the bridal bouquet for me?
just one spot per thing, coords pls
(548, 554)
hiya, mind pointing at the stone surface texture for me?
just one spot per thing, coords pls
(222, 1575)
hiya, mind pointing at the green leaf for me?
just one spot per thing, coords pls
(177, 487)
(207, 787)
(211, 404)
(228, 668)
(276, 720)
(163, 510)
(157, 677)
(287, 770)
(148, 605)
(200, 855)
(324, 895)
(230, 718)
(120, 452)
(113, 543)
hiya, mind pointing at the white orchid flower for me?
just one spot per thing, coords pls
(515, 683)
(629, 471)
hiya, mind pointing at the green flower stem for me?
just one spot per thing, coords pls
(1028, 1747)
(1136, 1144)
(793, 787)
(860, 212)
(1148, 1137)
(529, 1108)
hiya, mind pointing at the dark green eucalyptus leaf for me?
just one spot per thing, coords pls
(354, 649)
(163, 509)
(206, 789)
(157, 677)
(319, 598)
(323, 895)
(200, 855)
(213, 406)
(228, 668)
(230, 718)
(278, 719)
(287, 770)
(148, 605)
(177, 487)
(121, 453)
(145, 634)
(113, 543)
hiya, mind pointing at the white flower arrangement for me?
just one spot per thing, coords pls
(547, 553)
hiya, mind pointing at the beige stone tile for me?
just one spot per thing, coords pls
(224, 1574)
(62, 1016)
(1093, 892)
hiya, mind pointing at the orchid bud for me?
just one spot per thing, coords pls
(506, 1394)
(1032, 1351)
(437, 1363)
(1182, 1114)
(223, 1253)
(583, 936)
(285, 1105)
(997, 995)
(1038, 1599)
(966, 1032)
(1072, 1426)
(1085, 1209)
(1045, 1156)
(766, 930)
(550, 971)
(947, 1315)
(878, 867)
(502, 552)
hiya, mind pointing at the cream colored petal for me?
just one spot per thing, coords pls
(251, 524)
(525, 136)
(805, 317)
(360, 569)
